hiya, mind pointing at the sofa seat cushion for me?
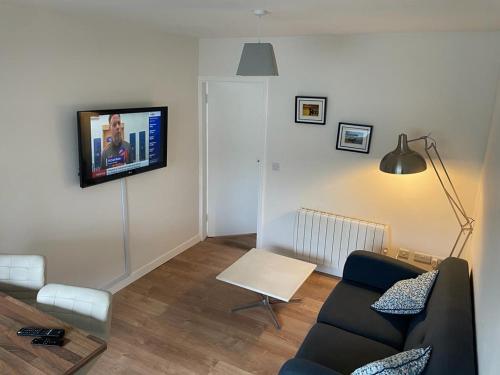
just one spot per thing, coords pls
(349, 307)
(340, 350)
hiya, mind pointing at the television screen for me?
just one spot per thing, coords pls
(120, 142)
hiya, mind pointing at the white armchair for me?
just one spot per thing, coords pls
(22, 276)
(85, 308)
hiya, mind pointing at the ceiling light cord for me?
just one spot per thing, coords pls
(259, 13)
(259, 22)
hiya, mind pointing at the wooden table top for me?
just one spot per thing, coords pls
(18, 356)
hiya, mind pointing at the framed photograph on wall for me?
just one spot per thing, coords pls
(310, 110)
(354, 137)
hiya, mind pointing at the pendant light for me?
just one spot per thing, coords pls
(257, 59)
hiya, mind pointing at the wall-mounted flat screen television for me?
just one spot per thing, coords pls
(115, 143)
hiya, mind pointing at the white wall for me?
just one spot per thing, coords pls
(52, 65)
(486, 255)
(415, 83)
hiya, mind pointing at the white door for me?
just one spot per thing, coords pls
(235, 144)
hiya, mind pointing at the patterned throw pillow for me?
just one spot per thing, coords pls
(407, 296)
(411, 362)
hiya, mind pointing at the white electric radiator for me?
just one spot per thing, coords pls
(326, 239)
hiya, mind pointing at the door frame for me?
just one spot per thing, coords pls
(203, 81)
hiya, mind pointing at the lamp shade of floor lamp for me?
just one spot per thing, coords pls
(404, 160)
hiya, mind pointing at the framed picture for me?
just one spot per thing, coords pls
(310, 110)
(354, 137)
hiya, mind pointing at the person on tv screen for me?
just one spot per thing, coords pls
(118, 150)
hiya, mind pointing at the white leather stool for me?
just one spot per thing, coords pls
(22, 276)
(85, 308)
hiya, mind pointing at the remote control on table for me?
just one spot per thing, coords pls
(57, 333)
(50, 341)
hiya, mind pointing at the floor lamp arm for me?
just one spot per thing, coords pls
(465, 221)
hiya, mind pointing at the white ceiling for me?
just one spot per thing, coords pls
(231, 18)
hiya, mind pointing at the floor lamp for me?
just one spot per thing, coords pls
(403, 160)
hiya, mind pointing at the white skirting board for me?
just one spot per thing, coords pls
(137, 274)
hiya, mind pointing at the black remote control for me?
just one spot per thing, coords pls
(57, 333)
(50, 341)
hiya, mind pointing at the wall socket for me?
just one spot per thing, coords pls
(422, 258)
(418, 259)
(403, 253)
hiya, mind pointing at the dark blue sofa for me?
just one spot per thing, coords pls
(349, 334)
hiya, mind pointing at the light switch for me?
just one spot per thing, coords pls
(276, 166)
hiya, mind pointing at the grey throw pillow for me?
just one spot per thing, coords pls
(407, 296)
(411, 362)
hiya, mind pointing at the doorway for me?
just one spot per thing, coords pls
(233, 146)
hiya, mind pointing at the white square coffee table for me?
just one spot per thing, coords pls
(274, 277)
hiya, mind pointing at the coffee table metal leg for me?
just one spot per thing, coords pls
(267, 304)
(269, 308)
(248, 306)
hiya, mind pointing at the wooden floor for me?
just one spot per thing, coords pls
(176, 319)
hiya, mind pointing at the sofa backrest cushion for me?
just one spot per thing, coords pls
(447, 323)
